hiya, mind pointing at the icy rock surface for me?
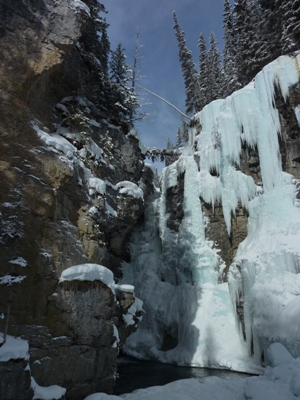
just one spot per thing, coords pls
(190, 314)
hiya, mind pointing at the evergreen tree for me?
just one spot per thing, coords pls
(124, 100)
(179, 139)
(203, 64)
(95, 51)
(170, 158)
(229, 54)
(135, 114)
(241, 40)
(184, 131)
(119, 69)
(105, 46)
(189, 71)
(290, 38)
(182, 134)
(216, 76)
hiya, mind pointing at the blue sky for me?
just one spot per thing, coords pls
(160, 65)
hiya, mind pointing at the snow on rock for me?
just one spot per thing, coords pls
(78, 4)
(130, 189)
(142, 147)
(57, 142)
(89, 272)
(98, 185)
(53, 392)
(125, 288)
(116, 335)
(110, 211)
(13, 348)
(19, 261)
(9, 279)
(132, 311)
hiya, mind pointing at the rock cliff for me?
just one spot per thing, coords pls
(73, 185)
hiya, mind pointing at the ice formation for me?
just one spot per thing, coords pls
(189, 316)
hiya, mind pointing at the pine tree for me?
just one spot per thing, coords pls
(184, 131)
(105, 46)
(95, 51)
(240, 31)
(119, 69)
(179, 140)
(203, 64)
(135, 114)
(229, 54)
(182, 134)
(170, 158)
(189, 71)
(290, 38)
(216, 76)
(124, 100)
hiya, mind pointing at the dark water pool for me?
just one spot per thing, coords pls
(135, 374)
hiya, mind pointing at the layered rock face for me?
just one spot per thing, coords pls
(69, 195)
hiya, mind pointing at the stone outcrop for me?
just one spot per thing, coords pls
(61, 160)
(15, 380)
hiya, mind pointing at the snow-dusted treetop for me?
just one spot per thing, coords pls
(89, 272)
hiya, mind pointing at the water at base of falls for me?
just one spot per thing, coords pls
(135, 374)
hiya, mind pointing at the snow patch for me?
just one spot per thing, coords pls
(116, 335)
(125, 288)
(13, 348)
(80, 5)
(89, 272)
(19, 261)
(52, 392)
(9, 279)
(130, 189)
(137, 306)
(98, 185)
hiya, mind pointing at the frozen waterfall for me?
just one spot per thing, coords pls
(190, 313)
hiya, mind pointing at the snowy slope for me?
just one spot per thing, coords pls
(176, 275)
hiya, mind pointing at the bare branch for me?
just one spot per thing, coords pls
(166, 101)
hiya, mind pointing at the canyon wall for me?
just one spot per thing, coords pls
(73, 185)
